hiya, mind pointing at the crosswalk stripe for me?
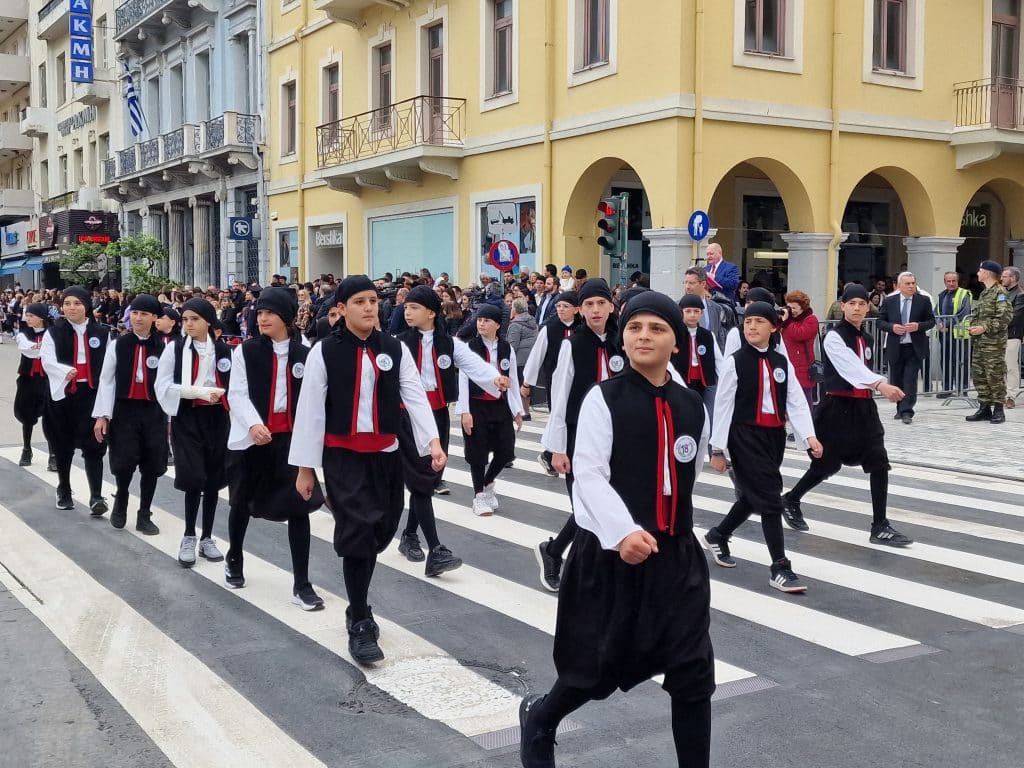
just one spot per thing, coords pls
(488, 707)
(192, 715)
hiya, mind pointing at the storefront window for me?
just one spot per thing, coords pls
(865, 254)
(288, 254)
(764, 220)
(514, 220)
(408, 243)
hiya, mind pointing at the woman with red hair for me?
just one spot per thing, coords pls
(799, 329)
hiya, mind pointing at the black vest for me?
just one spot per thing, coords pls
(833, 381)
(342, 352)
(221, 368)
(637, 458)
(258, 353)
(681, 360)
(96, 338)
(124, 372)
(750, 382)
(504, 363)
(25, 366)
(557, 332)
(447, 376)
(585, 345)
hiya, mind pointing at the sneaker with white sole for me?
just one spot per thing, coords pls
(889, 536)
(306, 598)
(545, 462)
(492, 498)
(208, 549)
(718, 545)
(550, 566)
(480, 506)
(187, 551)
(783, 578)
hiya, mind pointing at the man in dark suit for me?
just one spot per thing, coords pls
(907, 317)
(546, 301)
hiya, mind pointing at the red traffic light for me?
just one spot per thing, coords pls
(606, 208)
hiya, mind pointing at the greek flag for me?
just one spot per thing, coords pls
(136, 120)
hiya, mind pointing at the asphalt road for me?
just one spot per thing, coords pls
(113, 655)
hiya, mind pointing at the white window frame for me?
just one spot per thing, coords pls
(487, 101)
(792, 61)
(331, 60)
(423, 24)
(578, 74)
(479, 199)
(913, 77)
(385, 36)
(290, 76)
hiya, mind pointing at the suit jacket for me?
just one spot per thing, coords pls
(715, 312)
(728, 278)
(545, 311)
(920, 312)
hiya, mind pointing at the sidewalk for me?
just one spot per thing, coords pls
(939, 438)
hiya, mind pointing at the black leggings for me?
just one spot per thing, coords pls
(209, 498)
(879, 490)
(561, 542)
(358, 571)
(147, 488)
(421, 513)
(298, 542)
(771, 526)
(93, 472)
(482, 476)
(26, 435)
(691, 721)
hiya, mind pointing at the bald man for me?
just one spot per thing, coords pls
(726, 275)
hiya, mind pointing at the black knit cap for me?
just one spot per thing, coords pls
(281, 302)
(201, 307)
(39, 310)
(760, 294)
(593, 288)
(79, 293)
(171, 312)
(569, 297)
(853, 291)
(352, 285)
(488, 312)
(691, 301)
(659, 304)
(630, 293)
(425, 297)
(762, 309)
(146, 303)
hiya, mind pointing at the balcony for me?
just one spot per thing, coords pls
(989, 120)
(133, 17)
(15, 73)
(36, 122)
(349, 11)
(15, 205)
(211, 148)
(97, 92)
(53, 20)
(398, 143)
(13, 14)
(58, 203)
(12, 142)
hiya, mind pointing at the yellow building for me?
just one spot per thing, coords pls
(828, 140)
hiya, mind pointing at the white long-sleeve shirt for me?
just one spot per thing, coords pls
(695, 355)
(56, 372)
(847, 363)
(106, 387)
(28, 348)
(733, 343)
(310, 424)
(596, 505)
(464, 359)
(797, 411)
(515, 402)
(534, 361)
(170, 394)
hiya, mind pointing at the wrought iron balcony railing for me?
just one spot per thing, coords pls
(109, 169)
(50, 7)
(127, 161)
(174, 144)
(419, 121)
(997, 102)
(132, 12)
(58, 202)
(149, 153)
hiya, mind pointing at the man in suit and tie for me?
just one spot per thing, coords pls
(546, 302)
(907, 317)
(726, 275)
(718, 317)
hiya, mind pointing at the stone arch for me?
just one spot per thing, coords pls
(917, 204)
(1009, 192)
(791, 189)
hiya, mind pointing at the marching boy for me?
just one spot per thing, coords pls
(699, 359)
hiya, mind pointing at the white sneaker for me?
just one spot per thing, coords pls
(208, 549)
(490, 497)
(187, 551)
(481, 507)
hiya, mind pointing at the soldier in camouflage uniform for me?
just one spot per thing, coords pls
(987, 325)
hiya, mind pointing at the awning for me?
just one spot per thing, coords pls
(12, 266)
(35, 263)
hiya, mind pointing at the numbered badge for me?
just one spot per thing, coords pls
(224, 364)
(94, 342)
(444, 362)
(867, 353)
(702, 350)
(298, 370)
(385, 363)
(779, 375)
(505, 365)
(685, 449)
(152, 361)
(616, 363)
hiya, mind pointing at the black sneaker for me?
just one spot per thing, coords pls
(97, 506)
(306, 598)
(442, 489)
(545, 461)
(783, 578)
(550, 567)
(26, 458)
(348, 622)
(119, 514)
(792, 514)
(409, 545)
(536, 744)
(64, 499)
(362, 642)
(526, 417)
(144, 525)
(233, 576)
(51, 463)
(890, 537)
(510, 465)
(718, 545)
(441, 560)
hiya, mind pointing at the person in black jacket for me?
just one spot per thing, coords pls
(32, 392)
(907, 317)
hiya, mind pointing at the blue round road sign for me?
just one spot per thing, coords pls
(504, 255)
(699, 226)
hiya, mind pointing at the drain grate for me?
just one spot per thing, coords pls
(506, 737)
(741, 687)
(899, 654)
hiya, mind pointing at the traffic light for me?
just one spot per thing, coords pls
(614, 225)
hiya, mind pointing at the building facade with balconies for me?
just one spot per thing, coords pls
(196, 67)
(828, 141)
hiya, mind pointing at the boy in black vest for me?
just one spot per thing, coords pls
(267, 375)
(32, 389)
(847, 419)
(698, 360)
(540, 365)
(128, 415)
(72, 355)
(590, 356)
(635, 593)
(347, 421)
(489, 423)
(756, 393)
(439, 359)
(192, 379)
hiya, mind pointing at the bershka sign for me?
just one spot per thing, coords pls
(80, 30)
(329, 237)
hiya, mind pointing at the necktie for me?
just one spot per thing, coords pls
(704, 321)
(906, 311)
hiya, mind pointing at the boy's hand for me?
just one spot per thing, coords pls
(99, 429)
(519, 421)
(637, 547)
(718, 464)
(467, 423)
(814, 447)
(304, 482)
(891, 392)
(437, 456)
(561, 463)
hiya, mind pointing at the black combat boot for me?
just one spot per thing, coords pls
(984, 413)
(998, 417)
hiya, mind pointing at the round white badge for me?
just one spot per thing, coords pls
(444, 362)
(94, 342)
(505, 365)
(298, 370)
(616, 363)
(152, 361)
(867, 353)
(385, 363)
(702, 350)
(685, 449)
(224, 364)
(779, 375)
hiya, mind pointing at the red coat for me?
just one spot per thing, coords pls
(799, 334)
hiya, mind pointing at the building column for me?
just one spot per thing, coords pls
(672, 253)
(201, 243)
(808, 265)
(175, 242)
(929, 258)
(1016, 258)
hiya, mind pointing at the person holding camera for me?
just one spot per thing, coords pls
(799, 329)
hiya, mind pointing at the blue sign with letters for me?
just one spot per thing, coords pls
(80, 30)
(240, 228)
(699, 226)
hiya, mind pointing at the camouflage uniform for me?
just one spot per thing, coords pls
(993, 311)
